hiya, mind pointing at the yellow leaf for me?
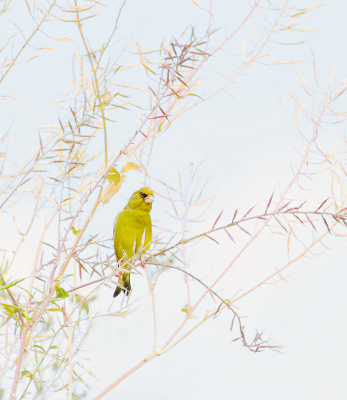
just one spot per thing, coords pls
(65, 39)
(147, 68)
(66, 201)
(130, 165)
(111, 190)
(49, 48)
(140, 51)
(113, 176)
(75, 231)
(196, 3)
(73, 9)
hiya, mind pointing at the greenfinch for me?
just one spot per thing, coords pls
(132, 233)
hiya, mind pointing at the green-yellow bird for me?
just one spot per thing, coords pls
(132, 229)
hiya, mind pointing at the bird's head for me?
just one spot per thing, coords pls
(142, 200)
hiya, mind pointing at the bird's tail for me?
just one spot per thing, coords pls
(124, 282)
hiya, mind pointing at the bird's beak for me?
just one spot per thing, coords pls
(149, 199)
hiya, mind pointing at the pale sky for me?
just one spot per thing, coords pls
(247, 143)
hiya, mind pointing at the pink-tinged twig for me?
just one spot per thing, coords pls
(215, 223)
(280, 209)
(326, 224)
(308, 218)
(234, 217)
(323, 203)
(279, 223)
(248, 212)
(242, 229)
(229, 235)
(298, 219)
(268, 204)
(19, 364)
(151, 288)
(114, 384)
(87, 284)
(211, 238)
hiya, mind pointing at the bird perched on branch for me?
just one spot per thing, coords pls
(132, 234)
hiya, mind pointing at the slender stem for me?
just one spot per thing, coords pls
(259, 216)
(94, 69)
(114, 384)
(87, 284)
(113, 32)
(70, 359)
(27, 41)
(39, 249)
(189, 332)
(151, 287)
(70, 338)
(19, 364)
(183, 251)
(4, 365)
(278, 271)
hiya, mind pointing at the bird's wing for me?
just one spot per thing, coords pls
(129, 228)
(144, 236)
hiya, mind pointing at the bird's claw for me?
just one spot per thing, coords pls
(143, 263)
(119, 274)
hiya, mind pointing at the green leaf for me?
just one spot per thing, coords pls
(75, 231)
(61, 293)
(35, 345)
(188, 309)
(113, 176)
(39, 389)
(66, 201)
(147, 68)
(85, 305)
(131, 165)
(26, 373)
(2, 323)
(85, 302)
(116, 70)
(10, 310)
(192, 94)
(11, 284)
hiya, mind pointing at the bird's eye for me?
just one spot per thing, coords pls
(143, 194)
